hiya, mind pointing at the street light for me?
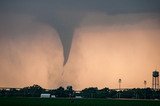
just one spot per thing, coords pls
(119, 81)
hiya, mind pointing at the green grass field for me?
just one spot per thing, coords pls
(74, 102)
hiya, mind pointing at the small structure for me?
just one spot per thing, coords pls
(155, 80)
(53, 96)
(78, 97)
(45, 95)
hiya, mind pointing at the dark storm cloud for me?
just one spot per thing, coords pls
(66, 15)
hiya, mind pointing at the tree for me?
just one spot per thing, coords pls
(33, 91)
(69, 91)
(112, 93)
(103, 93)
(60, 92)
(90, 92)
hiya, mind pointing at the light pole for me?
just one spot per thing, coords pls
(119, 81)
(145, 83)
(119, 93)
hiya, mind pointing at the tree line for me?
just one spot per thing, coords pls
(91, 92)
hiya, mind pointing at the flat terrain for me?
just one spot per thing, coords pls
(75, 102)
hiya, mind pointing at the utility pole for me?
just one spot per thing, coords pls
(119, 81)
(145, 83)
(119, 93)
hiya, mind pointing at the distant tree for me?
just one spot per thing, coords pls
(103, 93)
(148, 92)
(69, 91)
(127, 93)
(89, 92)
(3, 93)
(60, 92)
(112, 94)
(51, 91)
(13, 92)
(33, 91)
(157, 94)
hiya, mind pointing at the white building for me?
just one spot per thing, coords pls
(53, 96)
(78, 97)
(45, 95)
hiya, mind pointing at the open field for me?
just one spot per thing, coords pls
(74, 102)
